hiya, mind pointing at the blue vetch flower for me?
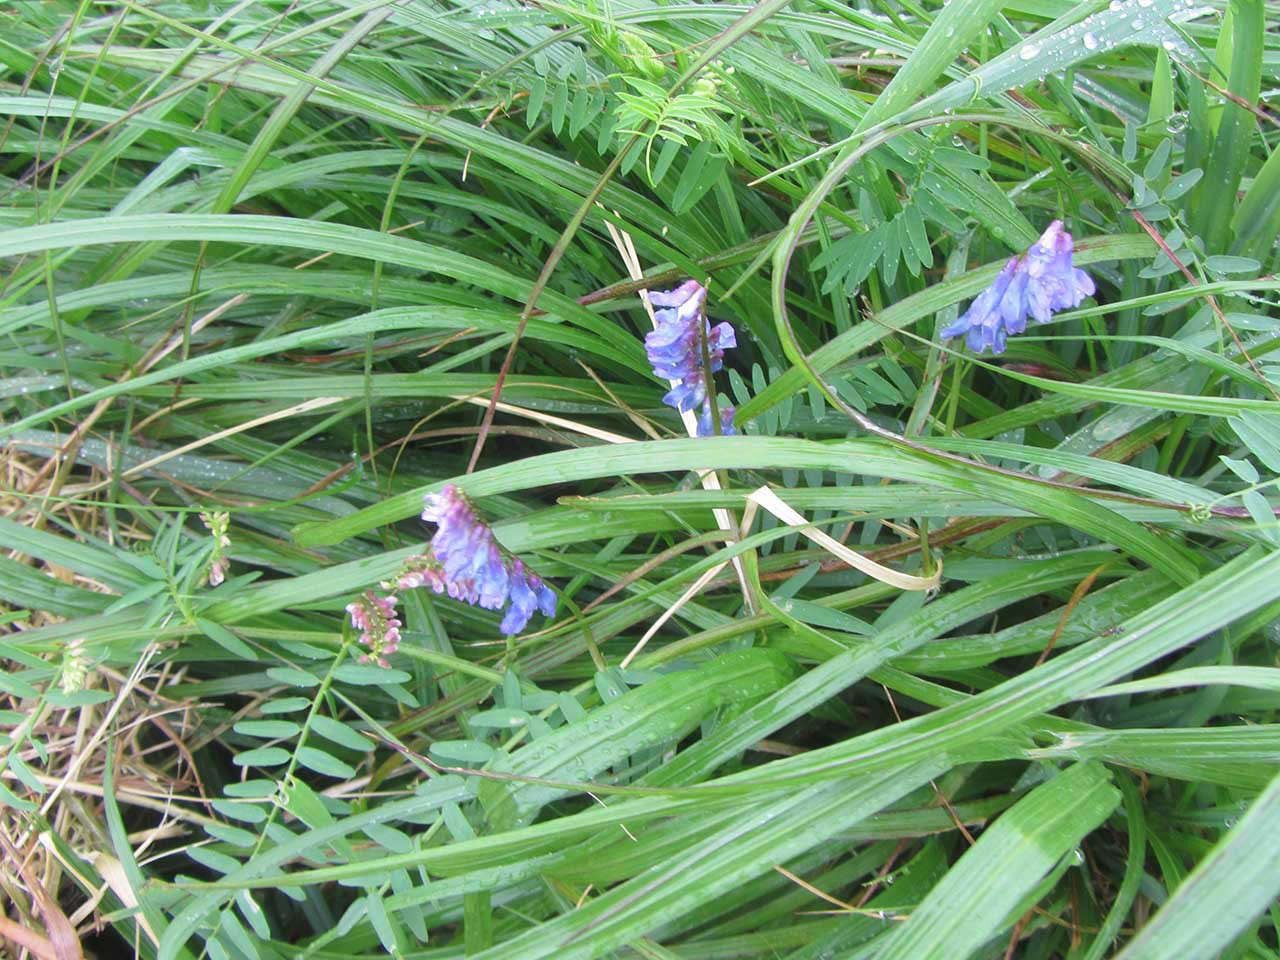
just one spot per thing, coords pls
(468, 564)
(674, 348)
(528, 593)
(466, 547)
(726, 421)
(1040, 282)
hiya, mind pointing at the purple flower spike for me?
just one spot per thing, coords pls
(467, 549)
(1039, 283)
(674, 347)
(983, 323)
(468, 565)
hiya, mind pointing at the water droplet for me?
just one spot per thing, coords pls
(1116, 6)
(1145, 3)
(1090, 40)
(1137, 23)
(1177, 123)
(1029, 51)
(957, 141)
(1169, 45)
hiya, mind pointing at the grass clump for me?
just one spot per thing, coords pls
(941, 654)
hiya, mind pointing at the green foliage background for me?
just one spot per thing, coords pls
(269, 258)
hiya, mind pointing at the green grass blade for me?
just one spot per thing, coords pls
(973, 903)
(1224, 894)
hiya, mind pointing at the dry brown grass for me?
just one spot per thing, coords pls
(60, 870)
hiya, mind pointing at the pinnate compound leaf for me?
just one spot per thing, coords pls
(658, 712)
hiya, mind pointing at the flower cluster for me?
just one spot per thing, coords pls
(471, 567)
(675, 349)
(466, 564)
(422, 570)
(75, 667)
(1038, 283)
(375, 618)
(524, 589)
(218, 525)
(527, 594)
(467, 549)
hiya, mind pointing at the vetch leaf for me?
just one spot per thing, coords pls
(1223, 264)
(262, 757)
(268, 729)
(470, 753)
(1260, 432)
(1243, 469)
(325, 763)
(361, 674)
(215, 861)
(285, 705)
(340, 733)
(291, 676)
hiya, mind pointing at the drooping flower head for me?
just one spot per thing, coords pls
(468, 564)
(675, 349)
(375, 618)
(1039, 283)
(467, 548)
